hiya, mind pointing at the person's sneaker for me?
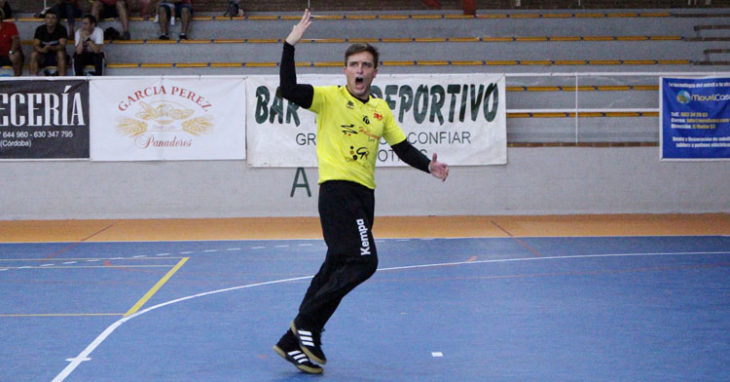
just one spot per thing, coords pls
(310, 342)
(164, 37)
(288, 348)
(183, 36)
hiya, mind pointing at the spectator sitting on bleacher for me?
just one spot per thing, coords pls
(183, 11)
(49, 45)
(10, 52)
(5, 6)
(70, 10)
(103, 9)
(89, 39)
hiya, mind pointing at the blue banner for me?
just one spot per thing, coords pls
(695, 118)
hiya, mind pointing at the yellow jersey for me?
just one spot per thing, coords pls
(348, 134)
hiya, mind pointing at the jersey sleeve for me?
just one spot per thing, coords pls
(392, 132)
(319, 98)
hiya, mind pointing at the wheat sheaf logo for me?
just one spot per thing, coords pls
(164, 117)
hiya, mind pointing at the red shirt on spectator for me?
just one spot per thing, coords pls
(7, 31)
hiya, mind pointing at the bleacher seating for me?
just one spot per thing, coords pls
(32, 6)
(420, 41)
(447, 41)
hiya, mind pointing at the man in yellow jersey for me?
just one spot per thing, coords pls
(350, 123)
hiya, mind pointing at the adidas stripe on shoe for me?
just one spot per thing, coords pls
(299, 359)
(310, 344)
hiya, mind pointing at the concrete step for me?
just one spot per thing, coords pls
(467, 51)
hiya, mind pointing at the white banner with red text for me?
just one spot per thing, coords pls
(460, 117)
(167, 118)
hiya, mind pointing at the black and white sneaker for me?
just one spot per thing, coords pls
(288, 349)
(310, 342)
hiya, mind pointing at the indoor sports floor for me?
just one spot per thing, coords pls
(549, 298)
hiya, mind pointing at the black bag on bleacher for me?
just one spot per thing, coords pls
(111, 34)
(234, 9)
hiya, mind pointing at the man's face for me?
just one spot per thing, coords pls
(51, 20)
(87, 26)
(360, 71)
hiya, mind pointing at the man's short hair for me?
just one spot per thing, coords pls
(91, 18)
(51, 11)
(357, 48)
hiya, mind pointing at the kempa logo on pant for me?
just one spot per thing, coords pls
(365, 249)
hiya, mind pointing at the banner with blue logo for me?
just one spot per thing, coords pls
(695, 118)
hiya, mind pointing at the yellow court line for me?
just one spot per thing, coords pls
(59, 314)
(155, 288)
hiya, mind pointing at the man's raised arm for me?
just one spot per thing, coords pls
(288, 87)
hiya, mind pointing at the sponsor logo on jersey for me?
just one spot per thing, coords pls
(348, 130)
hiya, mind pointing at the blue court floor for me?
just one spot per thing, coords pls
(492, 309)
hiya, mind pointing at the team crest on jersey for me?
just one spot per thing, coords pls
(350, 105)
(377, 116)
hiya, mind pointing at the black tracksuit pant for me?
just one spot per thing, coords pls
(346, 212)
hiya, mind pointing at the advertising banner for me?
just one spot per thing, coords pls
(695, 118)
(160, 118)
(461, 118)
(44, 119)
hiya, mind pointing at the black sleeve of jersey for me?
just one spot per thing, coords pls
(301, 95)
(409, 154)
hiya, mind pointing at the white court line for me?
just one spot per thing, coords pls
(84, 355)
